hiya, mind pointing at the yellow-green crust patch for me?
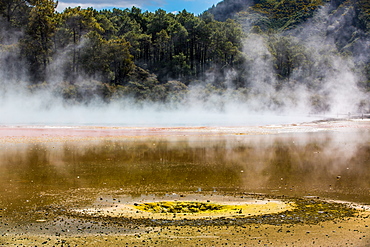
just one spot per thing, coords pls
(175, 207)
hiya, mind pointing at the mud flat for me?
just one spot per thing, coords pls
(289, 185)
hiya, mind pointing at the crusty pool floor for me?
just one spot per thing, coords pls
(55, 224)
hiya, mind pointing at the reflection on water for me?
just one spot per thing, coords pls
(331, 164)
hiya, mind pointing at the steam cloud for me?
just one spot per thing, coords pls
(331, 76)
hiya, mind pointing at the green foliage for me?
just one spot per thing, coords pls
(155, 56)
(107, 45)
(15, 12)
(110, 61)
(288, 54)
(37, 43)
(285, 14)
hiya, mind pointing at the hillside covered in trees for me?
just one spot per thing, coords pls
(263, 52)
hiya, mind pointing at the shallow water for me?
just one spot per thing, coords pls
(332, 164)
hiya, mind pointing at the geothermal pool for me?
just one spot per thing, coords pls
(61, 184)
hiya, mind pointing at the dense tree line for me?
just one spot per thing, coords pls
(157, 55)
(109, 44)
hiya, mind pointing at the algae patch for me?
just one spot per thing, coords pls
(176, 207)
(169, 207)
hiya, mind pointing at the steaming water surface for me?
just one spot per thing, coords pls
(149, 118)
(333, 164)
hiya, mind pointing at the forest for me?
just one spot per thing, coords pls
(84, 54)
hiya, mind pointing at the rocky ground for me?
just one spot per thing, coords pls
(348, 231)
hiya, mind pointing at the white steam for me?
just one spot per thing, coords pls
(330, 76)
(339, 74)
(262, 102)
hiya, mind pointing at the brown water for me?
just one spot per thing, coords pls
(334, 165)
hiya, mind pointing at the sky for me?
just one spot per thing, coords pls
(192, 6)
